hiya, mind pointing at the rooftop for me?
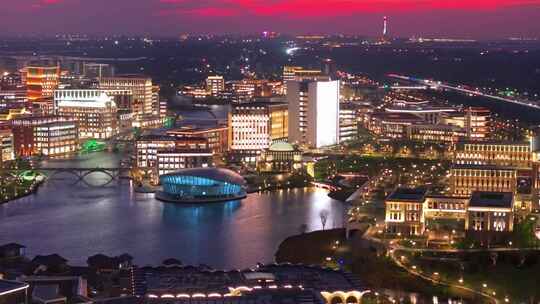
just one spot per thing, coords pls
(491, 199)
(281, 147)
(481, 167)
(408, 194)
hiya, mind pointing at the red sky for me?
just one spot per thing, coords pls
(457, 18)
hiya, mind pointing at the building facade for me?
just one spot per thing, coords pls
(215, 85)
(217, 137)
(41, 81)
(313, 112)
(404, 212)
(161, 154)
(465, 179)
(254, 126)
(490, 216)
(62, 131)
(141, 88)
(94, 110)
(508, 154)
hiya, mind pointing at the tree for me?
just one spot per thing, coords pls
(324, 217)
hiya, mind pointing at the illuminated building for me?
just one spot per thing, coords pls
(297, 73)
(490, 216)
(475, 121)
(141, 88)
(156, 105)
(41, 81)
(10, 80)
(486, 216)
(13, 113)
(404, 211)
(13, 95)
(313, 112)
(6, 146)
(429, 114)
(215, 84)
(465, 179)
(56, 138)
(509, 154)
(280, 157)
(195, 92)
(348, 122)
(247, 89)
(435, 133)
(391, 125)
(95, 111)
(445, 207)
(217, 137)
(201, 185)
(57, 134)
(164, 153)
(254, 126)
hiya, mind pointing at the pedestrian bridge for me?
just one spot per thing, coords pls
(79, 174)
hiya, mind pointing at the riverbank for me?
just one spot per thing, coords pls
(10, 194)
(369, 262)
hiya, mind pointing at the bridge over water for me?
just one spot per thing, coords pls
(78, 174)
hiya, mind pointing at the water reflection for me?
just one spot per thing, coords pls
(79, 220)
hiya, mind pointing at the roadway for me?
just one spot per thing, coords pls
(439, 84)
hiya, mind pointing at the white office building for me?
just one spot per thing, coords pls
(313, 112)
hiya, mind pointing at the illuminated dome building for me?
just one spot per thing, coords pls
(280, 157)
(201, 185)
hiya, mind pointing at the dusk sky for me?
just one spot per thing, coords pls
(457, 18)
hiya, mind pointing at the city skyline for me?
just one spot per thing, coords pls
(461, 19)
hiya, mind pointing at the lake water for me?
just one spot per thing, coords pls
(79, 220)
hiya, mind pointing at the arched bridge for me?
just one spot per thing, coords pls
(80, 174)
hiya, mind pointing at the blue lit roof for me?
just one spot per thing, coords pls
(218, 174)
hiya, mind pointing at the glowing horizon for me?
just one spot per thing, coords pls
(463, 18)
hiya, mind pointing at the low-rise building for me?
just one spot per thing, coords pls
(509, 154)
(161, 154)
(404, 211)
(254, 126)
(32, 134)
(490, 216)
(447, 134)
(280, 157)
(217, 136)
(6, 145)
(391, 125)
(465, 179)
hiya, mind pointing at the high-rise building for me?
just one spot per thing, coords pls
(292, 73)
(215, 84)
(254, 126)
(44, 135)
(141, 88)
(313, 112)
(40, 81)
(94, 110)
